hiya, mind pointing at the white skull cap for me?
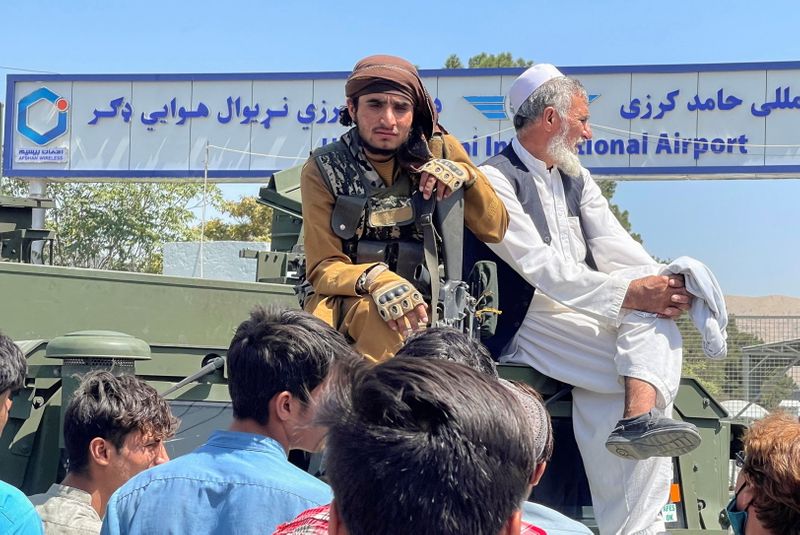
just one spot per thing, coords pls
(535, 412)
(528, 82)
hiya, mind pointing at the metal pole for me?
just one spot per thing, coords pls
(215, 364)
(203, 212)
(37, 189)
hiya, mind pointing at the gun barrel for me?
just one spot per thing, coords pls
(215, 364)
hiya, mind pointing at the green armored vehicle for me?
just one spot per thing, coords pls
(173, 331)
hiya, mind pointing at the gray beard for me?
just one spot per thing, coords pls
(564, 156)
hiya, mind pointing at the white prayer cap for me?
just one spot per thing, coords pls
(528, 82)
(536, 414)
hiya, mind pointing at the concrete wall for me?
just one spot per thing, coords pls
(220, 260)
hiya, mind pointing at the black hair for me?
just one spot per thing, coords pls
(13, 367)
(447, 343)
(344, 114)
(278, 350)
(426, 447)
(111, 407)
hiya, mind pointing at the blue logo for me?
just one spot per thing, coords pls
(493, 107)
(59, 105)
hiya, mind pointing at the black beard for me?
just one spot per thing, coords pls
(375, 150)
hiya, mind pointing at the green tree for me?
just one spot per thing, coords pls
(453, 62)
(246, 220)
(503, 59)
(121, 226)
(13, 187)
(118, 226)
(485, 60)
(780, 387)
(723, 378)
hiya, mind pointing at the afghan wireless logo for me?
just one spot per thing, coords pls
(49, 112)
(493, 107)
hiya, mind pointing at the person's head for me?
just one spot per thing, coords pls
(551, 115)
(767, 497)
(391, 107)
(277, 362)
(115, 427)
(426, 446)
(539, 424)
(13, 369)
(450, 344)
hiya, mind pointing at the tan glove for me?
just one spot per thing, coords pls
(452, 174)
(394, 296)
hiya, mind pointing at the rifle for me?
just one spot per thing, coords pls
(456, 302)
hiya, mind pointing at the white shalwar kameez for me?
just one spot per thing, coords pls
(576, 331)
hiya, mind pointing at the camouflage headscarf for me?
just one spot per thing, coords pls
(390, 74)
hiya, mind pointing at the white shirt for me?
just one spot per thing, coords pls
(574, 327)
(557, 270)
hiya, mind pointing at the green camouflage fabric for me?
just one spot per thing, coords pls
(348, 172)
(396, 209)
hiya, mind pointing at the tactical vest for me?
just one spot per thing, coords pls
(515, 293)
(375, 223)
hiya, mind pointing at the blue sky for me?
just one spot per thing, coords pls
(746, 231)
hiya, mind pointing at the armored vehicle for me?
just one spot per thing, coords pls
(174, 331)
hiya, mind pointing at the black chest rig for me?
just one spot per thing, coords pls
(376, 223)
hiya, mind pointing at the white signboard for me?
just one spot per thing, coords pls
(711, 121)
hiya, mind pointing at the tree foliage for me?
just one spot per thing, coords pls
(246, 220)
(485, 60)
(13, 187)
(503, 59)
(767, 384)
(122, 226)
(453, 62)
(776, 390)
(118, 226)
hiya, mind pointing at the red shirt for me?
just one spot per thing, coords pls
(315, 522)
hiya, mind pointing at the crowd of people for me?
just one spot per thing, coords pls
(416, 441)
(418, 433)
(428, 442)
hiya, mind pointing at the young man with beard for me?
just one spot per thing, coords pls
(363, 216)
(590, 322)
